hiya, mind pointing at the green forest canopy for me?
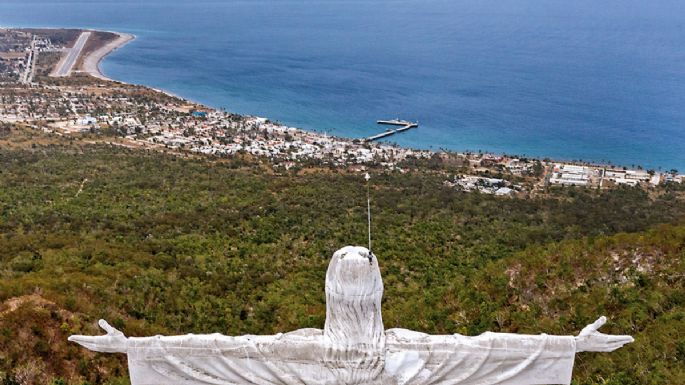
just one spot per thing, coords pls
(159, 243)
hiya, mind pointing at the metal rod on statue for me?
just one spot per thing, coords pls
(368, 206)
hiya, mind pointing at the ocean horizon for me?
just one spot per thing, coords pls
(569, 81)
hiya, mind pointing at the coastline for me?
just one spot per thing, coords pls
(91, 66)
(91, 63)
(249, 134)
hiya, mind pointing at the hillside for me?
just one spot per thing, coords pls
(160, 243)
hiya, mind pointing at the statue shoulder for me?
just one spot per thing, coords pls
(306, 333)
(405, 335)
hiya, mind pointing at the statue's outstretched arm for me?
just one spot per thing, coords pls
(214, 358)
(112, 342)
(497, 358)
(591, 340)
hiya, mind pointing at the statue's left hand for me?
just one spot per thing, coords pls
(112, 342)
(591, 340)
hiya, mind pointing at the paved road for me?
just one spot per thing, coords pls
(72, 56)
(29, 66)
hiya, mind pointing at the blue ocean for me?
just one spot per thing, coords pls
(586, 80)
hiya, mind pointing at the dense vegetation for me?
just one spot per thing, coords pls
(59, 37)
(165, 244)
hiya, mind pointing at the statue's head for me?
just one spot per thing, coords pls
(353, 272)
(354, 327)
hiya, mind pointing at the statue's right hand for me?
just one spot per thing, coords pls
(112, 342)
(591, 340)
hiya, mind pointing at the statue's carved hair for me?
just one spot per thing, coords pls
(353, 333)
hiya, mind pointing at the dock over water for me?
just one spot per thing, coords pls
(406, 125)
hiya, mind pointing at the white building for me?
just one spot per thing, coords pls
(570, 175)
(86, 120)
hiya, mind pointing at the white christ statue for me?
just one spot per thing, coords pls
(353, 347)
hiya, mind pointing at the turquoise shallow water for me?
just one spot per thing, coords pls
(600, 81)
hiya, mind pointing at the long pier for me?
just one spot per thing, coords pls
(406, 125)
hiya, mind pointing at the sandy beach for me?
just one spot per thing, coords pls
(91, 63)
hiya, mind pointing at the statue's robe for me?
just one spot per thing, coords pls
(407, 357)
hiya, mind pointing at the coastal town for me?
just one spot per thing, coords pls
(342, 192)
(50, 81)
